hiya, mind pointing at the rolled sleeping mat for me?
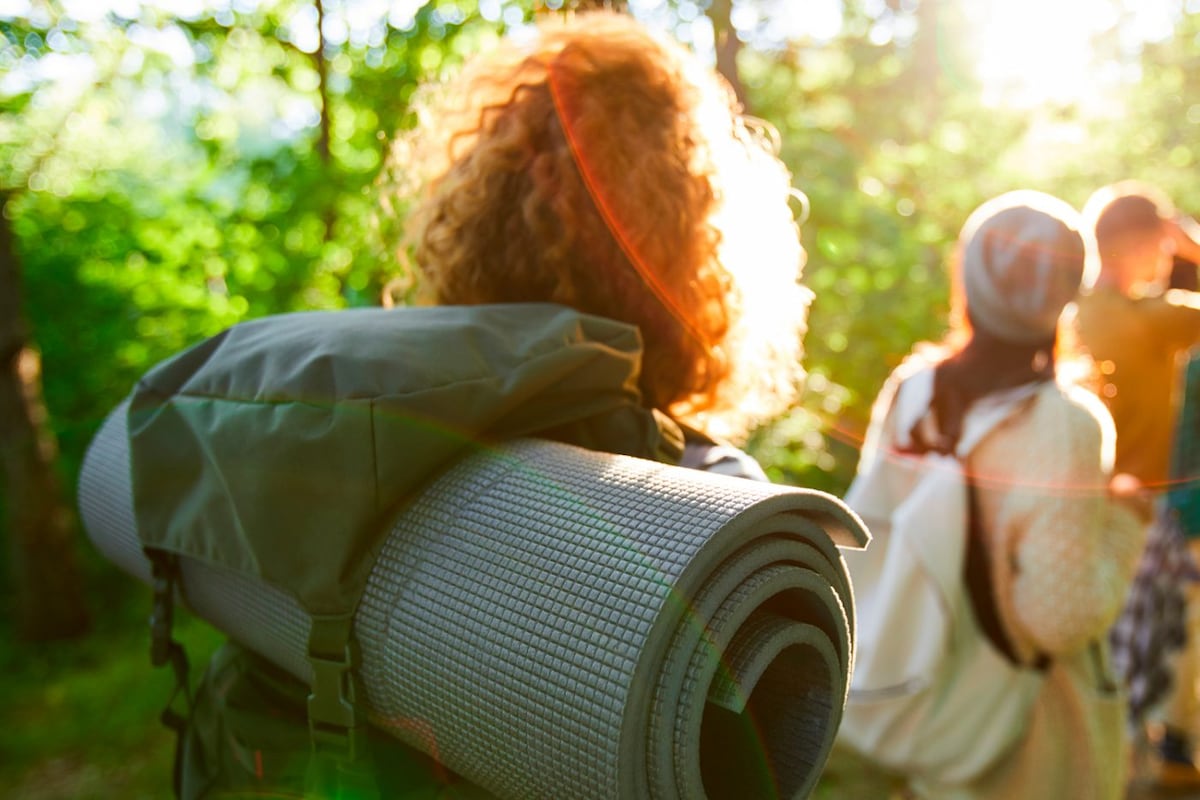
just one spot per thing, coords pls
(550, 621)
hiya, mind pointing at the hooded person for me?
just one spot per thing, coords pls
(1061, 546)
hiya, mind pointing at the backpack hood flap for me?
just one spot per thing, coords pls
(291, 441)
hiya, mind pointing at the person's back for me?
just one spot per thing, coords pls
(1066, 556)
(1136, 343)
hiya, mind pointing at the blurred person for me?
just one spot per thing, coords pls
(604, 169)
(1059, 544)
(1138, 328)
(1133, 326)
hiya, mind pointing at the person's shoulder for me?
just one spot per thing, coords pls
(1063, 431)
(1074, 412)
(722, 459)
(1098, 306)
(1181, 299)
(1071, 398)
(1174, 316)
(922, 360)
(1103, 304)
(924, 357)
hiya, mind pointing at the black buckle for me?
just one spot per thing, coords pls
(163, 648)
(335, 723)
(341, 764)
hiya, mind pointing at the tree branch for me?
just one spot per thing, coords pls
(322, 86)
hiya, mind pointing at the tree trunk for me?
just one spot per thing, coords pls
(728, 46)
(46, 582)
(326, 122)
(928, 69)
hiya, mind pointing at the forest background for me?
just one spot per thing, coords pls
(170, 168)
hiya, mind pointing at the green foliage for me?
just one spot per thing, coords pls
(894, 157)
(169, 177)
(888, 189)
(183, 180)
(1159, 141)
(173, 174)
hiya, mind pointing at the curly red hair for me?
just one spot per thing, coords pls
(598, 168)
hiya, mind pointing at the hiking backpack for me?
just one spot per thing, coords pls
(280, 450)
(426, 520)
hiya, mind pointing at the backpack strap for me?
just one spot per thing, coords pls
(164, 650)
(921, 435)
(341, 763)
(977, 574)
(672, 437)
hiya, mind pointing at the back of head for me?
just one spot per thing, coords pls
(1022, 259)
(597, 167)
(1125, 212)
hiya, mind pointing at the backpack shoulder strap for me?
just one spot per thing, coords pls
(984, 417)
(978, 574)
(981, 589)
(166, 650)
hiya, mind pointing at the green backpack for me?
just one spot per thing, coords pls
(293, 441)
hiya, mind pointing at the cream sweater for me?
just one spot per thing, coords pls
(1063, 556)
(1064, 550)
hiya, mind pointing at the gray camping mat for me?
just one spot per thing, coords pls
(554, 622)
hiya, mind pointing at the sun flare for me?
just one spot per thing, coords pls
(1038, 52)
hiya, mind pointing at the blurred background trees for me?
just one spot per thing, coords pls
(169, 168)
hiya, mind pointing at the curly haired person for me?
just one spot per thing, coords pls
(604, 168)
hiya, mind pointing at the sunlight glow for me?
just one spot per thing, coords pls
(820, 20)
(1034, 52)
(1041, 52)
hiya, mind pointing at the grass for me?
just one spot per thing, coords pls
(80, 719)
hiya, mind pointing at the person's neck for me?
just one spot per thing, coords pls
(1115, 276)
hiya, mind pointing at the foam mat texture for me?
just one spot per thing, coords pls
(553, 622)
